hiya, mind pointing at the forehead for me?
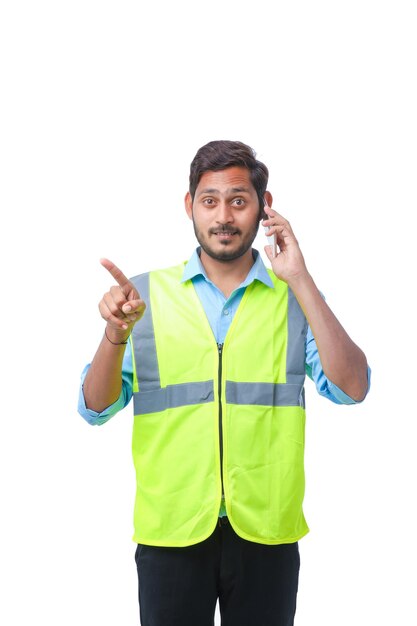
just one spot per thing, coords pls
(226, 180)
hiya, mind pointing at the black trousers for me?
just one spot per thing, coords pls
(256, 584)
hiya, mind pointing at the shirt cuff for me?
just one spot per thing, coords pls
(340, 397)
(96, 419)
(92, 417)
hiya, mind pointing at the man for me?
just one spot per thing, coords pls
(215, 353)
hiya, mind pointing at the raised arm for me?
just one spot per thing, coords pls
(342, 360)
(121, 307)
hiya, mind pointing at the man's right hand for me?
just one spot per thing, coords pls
(121, 307)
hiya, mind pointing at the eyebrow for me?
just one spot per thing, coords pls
(230, 190)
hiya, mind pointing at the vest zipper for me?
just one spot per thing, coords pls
(220, 349)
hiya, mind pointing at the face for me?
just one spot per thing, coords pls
(225, 213)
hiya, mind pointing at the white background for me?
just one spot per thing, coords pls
(103, 106)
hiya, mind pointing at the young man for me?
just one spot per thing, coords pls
(214, 353)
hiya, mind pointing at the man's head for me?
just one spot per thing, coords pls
(226, 198)
(219, 155)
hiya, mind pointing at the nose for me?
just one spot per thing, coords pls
(224, 213)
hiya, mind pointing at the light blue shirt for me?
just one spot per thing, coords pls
(220, 312)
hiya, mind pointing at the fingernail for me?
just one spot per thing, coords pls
(127, 308)
(124, 327)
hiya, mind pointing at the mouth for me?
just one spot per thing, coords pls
(225, 235)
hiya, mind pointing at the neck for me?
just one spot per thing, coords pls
(227, 275)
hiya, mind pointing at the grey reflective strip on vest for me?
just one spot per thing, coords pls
(265, 394)
(297, 330)
(146, 360)
(173, 396)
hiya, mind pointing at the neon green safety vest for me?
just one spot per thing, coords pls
(212, 420)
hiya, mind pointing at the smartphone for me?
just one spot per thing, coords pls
(272, 240)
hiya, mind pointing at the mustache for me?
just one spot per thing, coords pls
(224, 229)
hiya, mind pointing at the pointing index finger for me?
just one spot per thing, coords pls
(117, 274)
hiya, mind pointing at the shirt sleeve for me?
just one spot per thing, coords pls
(324, 386)
(96, 419)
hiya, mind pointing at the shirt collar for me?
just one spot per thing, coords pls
(258, 271)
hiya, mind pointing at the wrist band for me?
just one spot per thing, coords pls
(121, 343)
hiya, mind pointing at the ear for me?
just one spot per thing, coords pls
(268, 197)
(188, 205)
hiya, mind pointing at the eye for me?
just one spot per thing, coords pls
(208, 201)
(239, 202)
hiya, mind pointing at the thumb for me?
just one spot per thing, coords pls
(133, 306)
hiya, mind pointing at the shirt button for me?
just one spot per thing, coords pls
(226, 312)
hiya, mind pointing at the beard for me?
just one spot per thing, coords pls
(228, 252)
